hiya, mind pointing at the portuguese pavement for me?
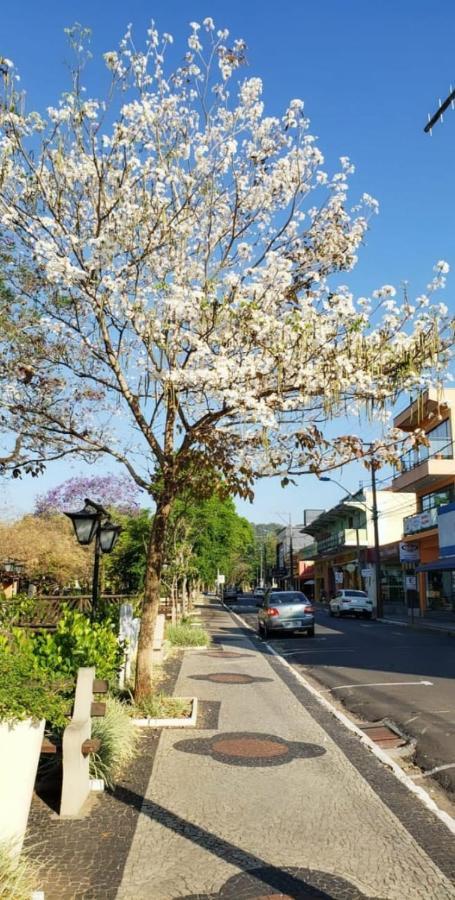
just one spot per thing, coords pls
(276, 798)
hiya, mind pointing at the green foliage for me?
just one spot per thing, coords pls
(158, 706)
(28, 690)
(119, 741)
(187, 635)
(79, 642)
(18, 609)
(125, 566)
(220, 538)
(18, 876)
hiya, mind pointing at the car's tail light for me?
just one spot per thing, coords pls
(308, 609)
(271, 611)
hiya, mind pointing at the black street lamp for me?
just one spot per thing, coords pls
(92, 521)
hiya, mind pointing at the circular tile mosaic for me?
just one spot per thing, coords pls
(229, 678)
(244, 748)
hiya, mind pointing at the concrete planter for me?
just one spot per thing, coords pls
(181, 722)
(20, 747)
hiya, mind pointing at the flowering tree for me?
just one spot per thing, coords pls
(48, 551)
(183, 249)
(117, 491)
(23, 382)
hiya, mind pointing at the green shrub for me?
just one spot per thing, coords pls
(26, 689)
(79, 642)
(158, 706)
(187, 635)
(17, 609)
(119, 739)
(18, 876)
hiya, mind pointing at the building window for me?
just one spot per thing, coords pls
(440, 440)
(440, 444)
(437, 498)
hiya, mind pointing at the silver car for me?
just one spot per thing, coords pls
(285, 611)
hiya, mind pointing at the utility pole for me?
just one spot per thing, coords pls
(377, 551)
(291, 552)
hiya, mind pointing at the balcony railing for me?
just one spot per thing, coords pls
(421, 521)
(349, 537)
(309, 552)
(439, 448)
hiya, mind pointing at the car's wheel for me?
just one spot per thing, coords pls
(260, 630)
(310, 631)
(330, 611)
(367, 614)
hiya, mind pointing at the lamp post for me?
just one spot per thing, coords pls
(377, 550)
(92, 521)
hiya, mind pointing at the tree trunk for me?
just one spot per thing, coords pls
(150, 606)
(184, 597)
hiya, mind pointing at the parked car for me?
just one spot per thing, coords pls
(230, 594)
(259, 592)
(350, 602)
(285, 611)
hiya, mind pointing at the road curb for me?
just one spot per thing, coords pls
(380, 754)
(416, 626)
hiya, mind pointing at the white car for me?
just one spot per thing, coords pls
(350, 602)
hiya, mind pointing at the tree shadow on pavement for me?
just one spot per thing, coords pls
(306, 884)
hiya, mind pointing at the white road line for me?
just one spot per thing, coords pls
(291, 652)
(379, 684)
(419, 792)
(433, 771)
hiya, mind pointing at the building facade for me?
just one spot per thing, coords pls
(427, 473)
(290, 543)
(343, 548)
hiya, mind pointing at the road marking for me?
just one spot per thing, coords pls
(381, 754)
(291, 652)
(362, 625)
(379, 684)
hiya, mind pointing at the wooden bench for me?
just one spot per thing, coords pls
(77, 742)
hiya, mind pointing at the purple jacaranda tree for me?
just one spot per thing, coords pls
(117, 491)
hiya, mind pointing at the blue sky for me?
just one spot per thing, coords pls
(369, 73)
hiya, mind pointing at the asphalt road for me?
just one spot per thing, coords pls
(383, 671)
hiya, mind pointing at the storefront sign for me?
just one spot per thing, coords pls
(411, 582)
(409, 552)
(446, 530)
(338, 578)
(367, 573)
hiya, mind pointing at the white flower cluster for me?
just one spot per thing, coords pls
(183, 264)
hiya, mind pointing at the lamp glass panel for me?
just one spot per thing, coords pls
(84, 525)
(108, 537)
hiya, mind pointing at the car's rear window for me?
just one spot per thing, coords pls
(284, 597)
(355, 594)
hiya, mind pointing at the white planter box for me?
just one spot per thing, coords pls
(182, 722)
(20, 747)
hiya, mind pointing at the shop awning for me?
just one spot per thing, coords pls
(438, 565)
